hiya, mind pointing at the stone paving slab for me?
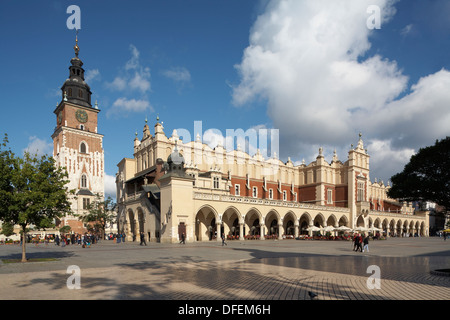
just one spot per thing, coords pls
(252, 270)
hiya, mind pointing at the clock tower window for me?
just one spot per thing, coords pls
(83, 181)
(83, 148)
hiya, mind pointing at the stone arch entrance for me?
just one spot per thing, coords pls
(205, 224)
(253, 221)
(231, 223)
(360, 221)
(272, 224)
(304, 222)
(132, 225)
(289, 224)
(141, 220)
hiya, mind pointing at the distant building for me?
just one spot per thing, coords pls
(170, 187)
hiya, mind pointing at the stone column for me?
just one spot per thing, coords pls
(296, 226)
(280, 231)
(219, 231)
(241, 231)
(262, 231)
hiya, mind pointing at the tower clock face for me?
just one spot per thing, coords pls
(81, 116)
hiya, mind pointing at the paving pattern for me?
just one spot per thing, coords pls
(251, 270)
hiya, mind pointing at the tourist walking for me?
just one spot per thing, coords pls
(183, 238)
(366, 244)
(223, 240)
(143, 239)
(355, 242)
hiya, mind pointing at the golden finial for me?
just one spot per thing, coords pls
(76, 48)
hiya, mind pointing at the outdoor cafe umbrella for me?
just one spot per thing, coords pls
(313, 228)
(342, 228)
(374, 229)
(328, 229)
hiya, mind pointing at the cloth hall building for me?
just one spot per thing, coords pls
(168, 189)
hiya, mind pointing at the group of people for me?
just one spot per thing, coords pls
(360, 243)
(84, 240)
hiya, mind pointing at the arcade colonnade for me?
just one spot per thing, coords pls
(244, 218)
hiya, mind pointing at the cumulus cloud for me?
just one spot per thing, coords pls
(110, 186)
(92, 75)
(133, 76)
(124, 106)
(39, 147)
(309, 60)
(178, 74)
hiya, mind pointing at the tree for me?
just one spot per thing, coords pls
(101, 213)
(32, 191)
(426, 177)
(7, 229)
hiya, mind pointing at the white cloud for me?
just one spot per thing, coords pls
(123, 106)
(133, 63)
(140, 80)
(309, 60)
(406, 30)
(92, 75)
(39, 147)
(386, 160)
(133, 76)
(178, 74)
(110, 186)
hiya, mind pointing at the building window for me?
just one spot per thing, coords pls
(82, 127)
(216, 182)
(83, 148)
(237, 190)
(330, 196)
(360, 192)
(295, 196)
(70, 92)
(255, 192)
(270, 194)
(284, 195)
(86, 202)
(83, 181)
(80, 93)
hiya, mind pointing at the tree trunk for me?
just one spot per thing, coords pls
(24, 241)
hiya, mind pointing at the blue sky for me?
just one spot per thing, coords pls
(311, 69)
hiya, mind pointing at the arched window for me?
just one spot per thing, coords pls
(83, 181)
(80, 93)
(83, 148)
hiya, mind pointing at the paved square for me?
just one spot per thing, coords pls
(256, 270)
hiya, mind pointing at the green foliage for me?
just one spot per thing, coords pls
(101, 213)
(32, 190)
(65, 229)
(7, 229)
(426, 177)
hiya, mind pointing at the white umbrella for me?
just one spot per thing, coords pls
(313, 228)
(342, 228)
(360, 229)
(328, 229)
(372, 229)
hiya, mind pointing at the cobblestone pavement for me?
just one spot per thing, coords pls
(247, 270)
